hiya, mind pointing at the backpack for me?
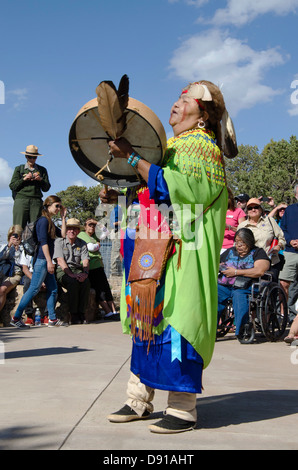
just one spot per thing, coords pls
(30, 241)
(14, 192)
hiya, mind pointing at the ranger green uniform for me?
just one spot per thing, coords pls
(28, 194)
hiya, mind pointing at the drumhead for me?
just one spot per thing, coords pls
(88, 143)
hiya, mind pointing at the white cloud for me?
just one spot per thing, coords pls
(240, 12)
(293, 111)
(230, 63)
(17, 97)
(6, 204)
(88, 183)
(5, 174)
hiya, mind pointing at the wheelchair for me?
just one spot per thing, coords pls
(268, 313)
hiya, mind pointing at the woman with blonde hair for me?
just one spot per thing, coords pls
(10, 269)
(43, 271)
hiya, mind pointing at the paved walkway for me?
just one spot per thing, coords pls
(58, 385)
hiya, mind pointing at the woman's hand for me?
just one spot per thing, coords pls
(14, 241)
(50, 267)
(109, 196)
(63, 212)
(120, 148)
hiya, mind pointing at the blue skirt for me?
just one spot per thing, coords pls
(155, 367)
(157, 370)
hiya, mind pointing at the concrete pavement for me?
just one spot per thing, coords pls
(58, 385)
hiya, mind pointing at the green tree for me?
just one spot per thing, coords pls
(279, 172)
(272, 173)
(242, 171)
(81, 202)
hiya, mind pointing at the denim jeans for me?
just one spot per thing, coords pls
(240, 303)
(40, 275)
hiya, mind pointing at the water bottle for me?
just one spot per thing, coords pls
(37, 317)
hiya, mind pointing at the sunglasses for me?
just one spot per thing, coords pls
(30, 156)
(58, 206)
(91, 225)
(251, 208)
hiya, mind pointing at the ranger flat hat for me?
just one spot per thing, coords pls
(73, 223)
(31, 151)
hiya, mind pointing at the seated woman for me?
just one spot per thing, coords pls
(241, 263)
(10, 268)
(97, 275)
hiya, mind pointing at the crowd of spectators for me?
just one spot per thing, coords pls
(275, 232)
(62, 257)
(69, 257)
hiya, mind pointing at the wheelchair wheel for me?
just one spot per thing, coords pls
(226, 321)
(247, 334)
(273, 312)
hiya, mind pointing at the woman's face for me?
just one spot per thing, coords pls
(241, 247)
(254, 211)
(185, 114)
(90, 227)
(54, 208)
(281, 212)
(15, 239)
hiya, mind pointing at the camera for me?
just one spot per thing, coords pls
(265, 199)
(16, 235)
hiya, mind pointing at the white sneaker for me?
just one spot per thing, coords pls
(18, 324)
(56, 323)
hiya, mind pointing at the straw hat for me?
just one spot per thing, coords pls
(31, 151)
(73, 223)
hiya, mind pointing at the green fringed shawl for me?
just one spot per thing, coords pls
(194, 173)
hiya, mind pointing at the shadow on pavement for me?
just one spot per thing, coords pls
(245, 407)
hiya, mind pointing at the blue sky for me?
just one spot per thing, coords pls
(53, 54)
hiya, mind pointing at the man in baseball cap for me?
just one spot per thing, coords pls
(241, 201)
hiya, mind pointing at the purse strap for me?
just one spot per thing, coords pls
(210, 205)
